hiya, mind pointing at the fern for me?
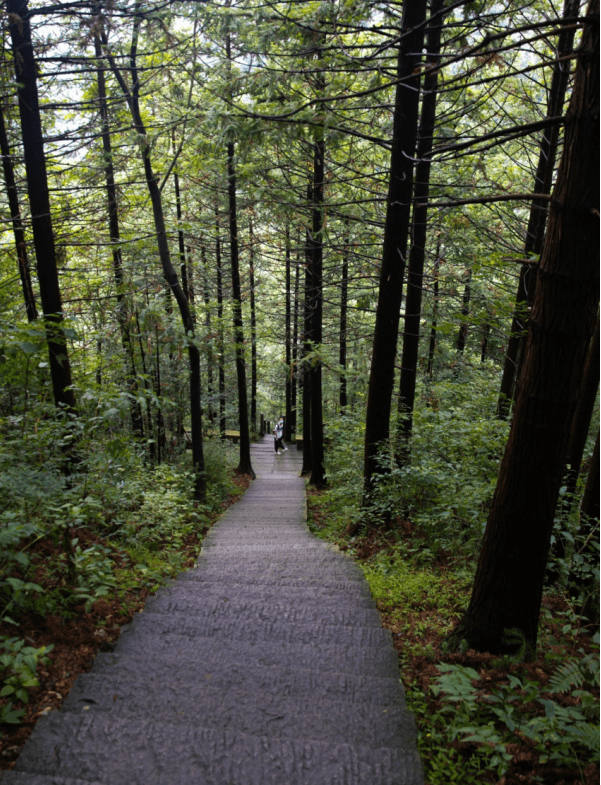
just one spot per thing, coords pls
(576, 673)
(587, 734)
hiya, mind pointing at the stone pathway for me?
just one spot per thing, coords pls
(265, 665)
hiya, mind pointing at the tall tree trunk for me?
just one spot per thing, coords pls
(538, 213)
(343, 323)
(222, 420)
(318, 477)
(432, 344)
(15, 214)
(149, 428)
(587, 398)
(39, 201)
(415, 270)
(484, 341)
(589, 506)
(114, 232)
(509, 579)
(244, 465)
(287, 339)
(132, 97)
(180, 234)
(307, 347)
(207, 301)
(465, 312)
(295, 347)
(396, 231)
(253, 331)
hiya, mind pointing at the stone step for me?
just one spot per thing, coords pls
(242, 607)
(124, 751)
(285, 587)
(273, 549)
(270, 594)
(154, 625)
(298, 681)
(23, 778)
(327, 566)
(256, 713)
(242, 532)
(216, 652)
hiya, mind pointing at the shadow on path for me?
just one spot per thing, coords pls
(264, 665)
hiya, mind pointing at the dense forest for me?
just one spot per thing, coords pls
(376, 219)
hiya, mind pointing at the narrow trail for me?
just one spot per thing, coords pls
(264, 665)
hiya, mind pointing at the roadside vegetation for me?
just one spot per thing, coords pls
(525, 718)
(79, 554)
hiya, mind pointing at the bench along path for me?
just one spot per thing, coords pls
(265, 665)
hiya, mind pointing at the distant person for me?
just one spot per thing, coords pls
(278, 433)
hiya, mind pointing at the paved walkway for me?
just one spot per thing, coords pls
(265, 665)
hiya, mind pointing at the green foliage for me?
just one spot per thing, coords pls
(395, 583)
(18, 666)
(565, 734)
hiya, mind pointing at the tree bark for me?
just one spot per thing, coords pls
(39, 201)
(253, 330)
(590, 499)
(294, 369)
(342, 346)
(318, 476)
(415, 271)
(15, 214)
(432, 344)
(587, 398)
(396, 231)
(180, 235)
(465, 312)
(114, 232)
(244, 465)
(132, 97)
(221, 371)
(506, 598)
(307, 346)
(209, 351)
(287, 339)
(538, 214)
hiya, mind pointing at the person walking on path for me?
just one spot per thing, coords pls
(279, 437)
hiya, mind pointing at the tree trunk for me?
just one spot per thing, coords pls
(587, 398)
(39, 201)
(132, 97)
(222, 420)
(590, 499)
(180, 235)
(294, 369)
(287, 340)
(506, 597)
(115, 236)
(343, 323)
(432, 345)
(15, 214)
(253, 331)
(484, 341)
(307, 345)
(465, 312)
(396, 231)
(244, 465)
(538, 213)
(318, 477)
(415, 271)
(206, 291)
